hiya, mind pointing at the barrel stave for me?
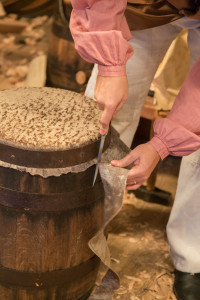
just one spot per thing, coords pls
(25, 182)
(37, 241)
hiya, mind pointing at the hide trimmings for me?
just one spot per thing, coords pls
(47, 118)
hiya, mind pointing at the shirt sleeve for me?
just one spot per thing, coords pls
(101, 34)
(179, 133)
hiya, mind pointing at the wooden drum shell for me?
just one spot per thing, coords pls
(45, 226)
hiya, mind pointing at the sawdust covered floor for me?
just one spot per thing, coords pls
(138, 243)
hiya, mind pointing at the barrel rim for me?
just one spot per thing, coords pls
(34, 158)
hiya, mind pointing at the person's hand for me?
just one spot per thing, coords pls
(110, 94)
(145, 158)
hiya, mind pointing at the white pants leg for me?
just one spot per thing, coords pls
(184, 224)
(150, 46)
(183, 228)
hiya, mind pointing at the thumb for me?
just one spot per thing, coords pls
(124, 162)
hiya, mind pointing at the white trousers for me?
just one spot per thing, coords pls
(150, 46)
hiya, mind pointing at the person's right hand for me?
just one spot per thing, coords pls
(110, 93)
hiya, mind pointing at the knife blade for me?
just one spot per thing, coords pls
(99, 157)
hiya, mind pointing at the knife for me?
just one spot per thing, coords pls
(99, 157)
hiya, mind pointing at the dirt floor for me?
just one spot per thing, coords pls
(137, 236)
(138, 243)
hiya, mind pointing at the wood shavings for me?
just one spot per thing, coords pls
(25, 45)
(20, 84)
(19, 72)
(159, 287)
(115, 260)
(8, 40)
(133, 240)
(30, 41)
(123, 234)
(36, 22)
(121, 292)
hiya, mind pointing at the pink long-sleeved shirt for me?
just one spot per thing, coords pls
(101, 35)
(179, 133)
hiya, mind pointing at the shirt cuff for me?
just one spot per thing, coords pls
(112, 70)
(159, 146)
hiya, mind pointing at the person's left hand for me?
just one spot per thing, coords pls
(145, 159)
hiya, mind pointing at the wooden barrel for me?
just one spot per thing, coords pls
(29, 8)
(48, 208)
(65, 68)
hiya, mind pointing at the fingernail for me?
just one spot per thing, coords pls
(102, 131)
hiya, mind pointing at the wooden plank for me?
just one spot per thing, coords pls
(12, 26)
(37, 72)
(2, 10)
(149, 112)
